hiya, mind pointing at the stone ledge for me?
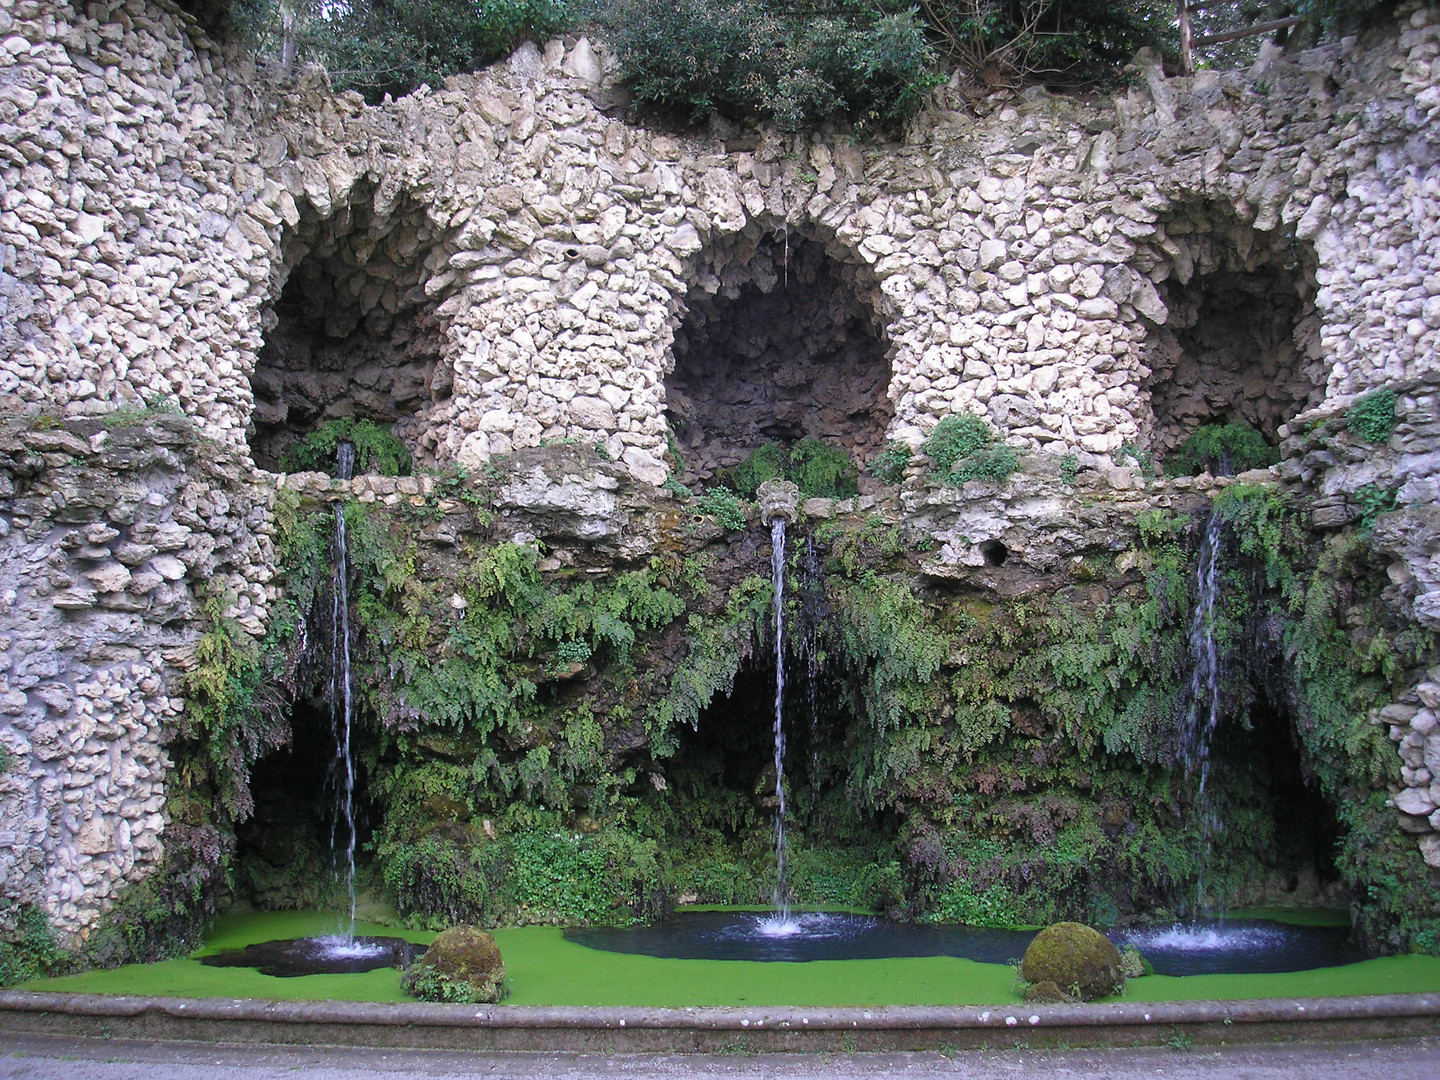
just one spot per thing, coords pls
(509, 1027)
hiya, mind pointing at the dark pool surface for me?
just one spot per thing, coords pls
(319, 956)
(1210, 947)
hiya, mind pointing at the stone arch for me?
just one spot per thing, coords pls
(352, 331)
(1241, 336)
(780, 337)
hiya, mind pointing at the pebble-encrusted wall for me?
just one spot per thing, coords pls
(165, 211)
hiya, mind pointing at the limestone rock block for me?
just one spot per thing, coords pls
(109, 577)
(1430, 850)
(1415, 801)
(96, 837)
(592, 412)
(645, 466)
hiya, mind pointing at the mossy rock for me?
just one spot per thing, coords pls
(1076, 958)
(463, 964)
(1046, 992)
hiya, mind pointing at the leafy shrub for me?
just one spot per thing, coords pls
(1070, 42)
(956, 437)
(376, 450)
(890, 464)
(797, 67)
(963, 448)
(1069, 466)
(991, 463)
(1374, 500)
(383, 47)
(819, 469)
(1372, 417)
(961, 902)
(1222, 450)
(28, 949)
(724, 506)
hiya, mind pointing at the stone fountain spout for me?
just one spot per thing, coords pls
(778, 499)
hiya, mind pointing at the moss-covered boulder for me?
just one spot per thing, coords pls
(1077, 959)
(463, 964)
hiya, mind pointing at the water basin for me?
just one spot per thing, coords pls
(328, 955)
(1251, 946)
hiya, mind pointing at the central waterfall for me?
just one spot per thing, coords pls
(1203, 713)
(777, 572)
(341, 705)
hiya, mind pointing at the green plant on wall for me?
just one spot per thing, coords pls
(1372, 416)
(819, 469)
(963, 447)
(376, 449)
(890, 464)
(1221, 449)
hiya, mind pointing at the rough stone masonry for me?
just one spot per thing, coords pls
(505, 260)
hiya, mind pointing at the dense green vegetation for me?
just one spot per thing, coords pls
(1221, 450)
(963, 447)
(543, 743)
(819, 469)
(799, 64)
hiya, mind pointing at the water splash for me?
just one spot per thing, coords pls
(1203, 712)
(780, 924)
(341, 705)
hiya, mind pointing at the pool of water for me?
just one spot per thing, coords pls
(328, 955)
(1249, 946)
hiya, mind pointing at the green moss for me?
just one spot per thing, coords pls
(1372, 417)
(819, 469)
(1078, 959)
(462, 966)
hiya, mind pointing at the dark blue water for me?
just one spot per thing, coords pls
(1235, 947)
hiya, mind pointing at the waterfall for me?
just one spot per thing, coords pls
(341, 708)
(777, 573)
(1203, 712)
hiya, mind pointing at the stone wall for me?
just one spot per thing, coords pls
(111, 540)
(501, 262)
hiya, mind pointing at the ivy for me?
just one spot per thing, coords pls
(1372, 416)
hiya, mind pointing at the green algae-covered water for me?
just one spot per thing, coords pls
(546, 969)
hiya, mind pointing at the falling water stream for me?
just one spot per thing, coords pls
(780, 923)
(341, 705)
(1204, 709)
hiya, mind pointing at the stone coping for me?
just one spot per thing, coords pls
(512, 1027)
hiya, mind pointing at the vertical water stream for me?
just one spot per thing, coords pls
(341, 712)
(777, 573)
(1203, 712)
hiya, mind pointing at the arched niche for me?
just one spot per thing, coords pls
(780, 340)
(1242, 339)
(351, 332)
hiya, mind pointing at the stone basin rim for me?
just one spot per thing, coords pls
(1004, 1017)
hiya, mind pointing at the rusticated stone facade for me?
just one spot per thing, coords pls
(502, 261)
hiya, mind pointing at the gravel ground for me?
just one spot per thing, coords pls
(78, 1059)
